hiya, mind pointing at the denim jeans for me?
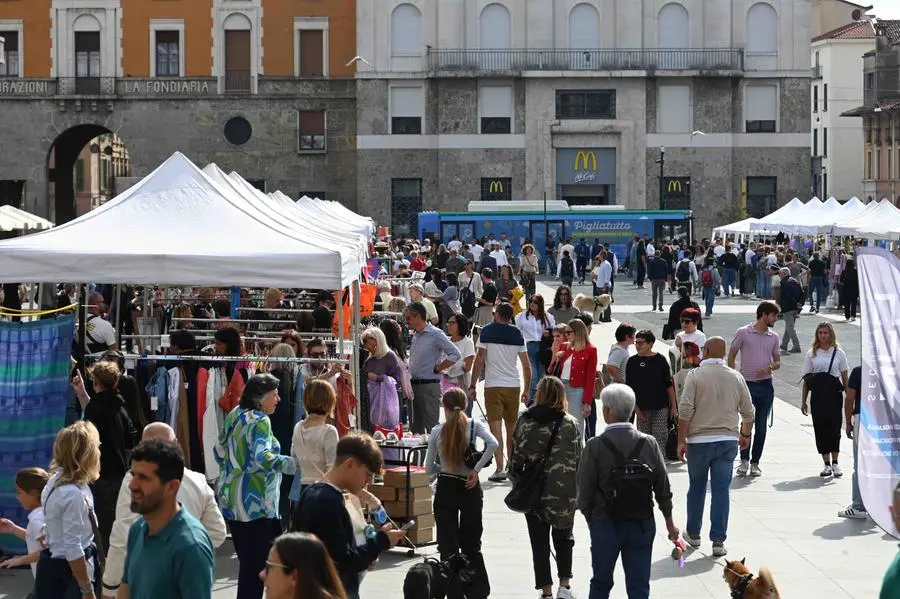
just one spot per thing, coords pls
(763, 284)
(550, 265)
(857, 496)
(540, 534)
(763, 395)
(820, 287)
(574, 398)
(712, 461)
(634, 540)
(730, 282)
(533, 348)
(709, 296)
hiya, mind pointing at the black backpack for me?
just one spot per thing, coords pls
(630, 492)
(568, 268)
(683, 272)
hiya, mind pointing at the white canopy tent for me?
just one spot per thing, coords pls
(15, 219)
(822, 219)
(741, 227)
(336, 225)
(178, 226)
(784, 219)
(851, 209)
(881, 221)
(336, 211)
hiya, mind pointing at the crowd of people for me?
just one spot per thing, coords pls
(119, 513)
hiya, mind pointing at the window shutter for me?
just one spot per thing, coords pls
(312, 122)
(496, 101)
(674, 109)
(312, 57)
(407, 101)
(761, 103)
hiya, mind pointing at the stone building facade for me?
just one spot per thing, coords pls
(579, 100)
(258, 86)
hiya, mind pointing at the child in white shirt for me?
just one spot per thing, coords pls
(29, 484)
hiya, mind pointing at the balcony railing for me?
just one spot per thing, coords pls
(816, 71)
(726, 59)
(238, 81)
(86, 86)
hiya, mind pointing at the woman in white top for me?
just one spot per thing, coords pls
(314, 442)
(470, 280)
(825, 375)
(536, 325)
(689, 333)
(528, 269)
(459, 329)
(66, 569)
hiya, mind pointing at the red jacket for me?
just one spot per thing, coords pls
(418, 264)
(584, 370)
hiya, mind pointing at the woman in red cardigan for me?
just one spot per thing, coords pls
(579, 370)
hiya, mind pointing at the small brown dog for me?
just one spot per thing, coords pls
(744, 585)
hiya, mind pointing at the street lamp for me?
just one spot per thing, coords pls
(662, 169)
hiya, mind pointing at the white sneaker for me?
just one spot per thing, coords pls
(564, 593)
(836, 471)
(853, 513)
(826, 471)
(691, 540)
(743, 468)
(718, 549)
(498, 476)
(755, 470)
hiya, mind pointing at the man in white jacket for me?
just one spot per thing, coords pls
(194, 495)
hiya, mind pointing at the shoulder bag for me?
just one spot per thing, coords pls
(824, 382)
(468, 303)
(531, 477)
(472, 456)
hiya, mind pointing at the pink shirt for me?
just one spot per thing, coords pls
(757, 350)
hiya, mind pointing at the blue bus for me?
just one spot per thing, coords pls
(527, 220)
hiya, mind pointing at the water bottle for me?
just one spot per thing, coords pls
(379, 516)
(370, 531)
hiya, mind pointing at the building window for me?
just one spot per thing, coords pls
(407, 106)
(869, 164)
(496, 189)
(168, 54)
(495, 28)
(815, 148)
(406, 31)
(584, 27)
(312, 53)
(87, 53)
(10, 54)
(824, 97)
(815, 98)
(311, 130)
(878, 164)
(762, 29)
(495, 104)
(825, 141)
(600, 104)
(674, 109)
(867, 124)
(79, 175)
(890, 162)
(319, 195)
(406, 203)
(761, 196)
(824, 185)
(238, 43)
(673, 28)
(761, 108)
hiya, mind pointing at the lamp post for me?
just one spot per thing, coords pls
(662, 170)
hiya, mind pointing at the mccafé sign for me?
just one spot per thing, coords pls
(586, 166)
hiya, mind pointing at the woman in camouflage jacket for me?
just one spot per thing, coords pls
(555, 515)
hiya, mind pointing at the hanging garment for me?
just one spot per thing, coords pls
(158, 387)
(213, 418)
(367, 294)
(182, 424)
(232, 395)
(344, 413)
(343, 301)
(202, 384)
(384, 404)
(174, 387)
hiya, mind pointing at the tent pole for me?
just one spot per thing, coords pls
(340, 332)
(82, 331)
(118, 328)
(354, 359)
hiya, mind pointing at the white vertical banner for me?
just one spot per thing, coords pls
(879, 431)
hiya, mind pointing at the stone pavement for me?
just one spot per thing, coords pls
(786, 520)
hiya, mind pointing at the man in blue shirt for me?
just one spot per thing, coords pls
(169, 555)
(430, 353)
(582, 257)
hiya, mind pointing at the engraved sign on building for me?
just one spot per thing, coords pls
(167, 88)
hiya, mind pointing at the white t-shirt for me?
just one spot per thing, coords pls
(33, 531)
(603, 272)
(466, 349)
(501, 359)
(476, 250)
(454, 245)
(651, 251)
(100, 330)
(820, 362)
(719, 250)
(748, 257)
(314, 449)
(500, 257)
(698, 337)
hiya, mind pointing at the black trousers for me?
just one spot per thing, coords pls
(458, 517)
(252, 541)
(54, 578)
(850, 302)
(106, 494)
(540, 533)
(827, 414)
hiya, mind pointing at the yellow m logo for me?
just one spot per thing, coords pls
(675, 186)
(496, 187)
(584, 159)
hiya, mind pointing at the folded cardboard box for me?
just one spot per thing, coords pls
(397, 477)
(383, 492)
(421, 536)
(400, 509)
(415, 494)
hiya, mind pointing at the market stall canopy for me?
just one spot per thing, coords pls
(177, 226)
(785, 219)
(822, 219)
(738, 228)
(335, 210)
(338, 225)
(15, 219)
(851, 209)
(881, 221)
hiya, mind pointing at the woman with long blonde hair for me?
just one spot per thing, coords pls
(825, 376)
(68, 567)
(548, 423)
(458, 498)
(578, 370)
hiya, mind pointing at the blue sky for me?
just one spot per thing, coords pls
(885, 9)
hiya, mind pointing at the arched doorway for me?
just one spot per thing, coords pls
(82, 167)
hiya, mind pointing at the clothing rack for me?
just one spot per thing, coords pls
(275, 310)
(225, 359)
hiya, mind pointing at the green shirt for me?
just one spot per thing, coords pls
(890, 588)
(175, 563)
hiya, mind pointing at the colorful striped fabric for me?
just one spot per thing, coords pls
(34, 391)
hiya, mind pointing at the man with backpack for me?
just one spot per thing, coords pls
(582, 257)
(566, 272)
(686, 271)
(620, 473)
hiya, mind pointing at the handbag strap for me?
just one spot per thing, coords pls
(830, 364)
(553, 436)
(98, 540)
